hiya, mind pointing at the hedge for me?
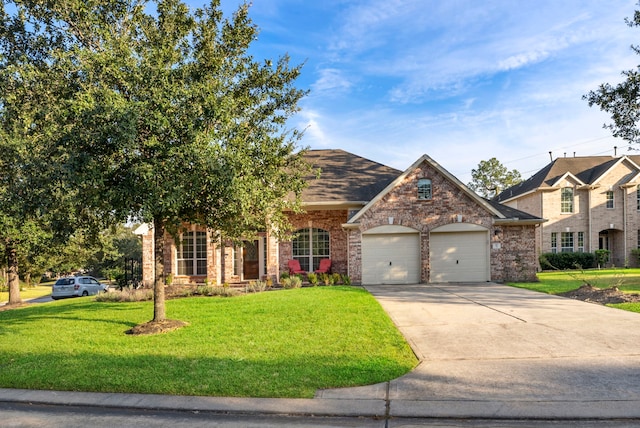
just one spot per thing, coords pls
(564, 261)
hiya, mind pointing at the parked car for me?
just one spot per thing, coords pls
(77, 286)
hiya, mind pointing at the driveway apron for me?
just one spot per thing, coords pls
(490, 350)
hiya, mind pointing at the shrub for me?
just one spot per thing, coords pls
(126, 295)
(602, 257)
(293, 281)
(312, 278)
(336, 278)
(346, 279)
(257, 286)
(564, 261)
(216, 290)
(326, 279)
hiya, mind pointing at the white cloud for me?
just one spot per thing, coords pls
(331, 79)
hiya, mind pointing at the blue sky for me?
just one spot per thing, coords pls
(459, 80)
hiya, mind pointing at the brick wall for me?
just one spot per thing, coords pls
(514, 258)
(329, 220)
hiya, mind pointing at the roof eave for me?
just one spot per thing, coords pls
(519, 221)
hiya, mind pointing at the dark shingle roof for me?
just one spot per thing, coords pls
(345, 177)
(509, 212)
(587, 169)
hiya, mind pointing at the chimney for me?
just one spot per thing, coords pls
(550, 156)
(615, 150)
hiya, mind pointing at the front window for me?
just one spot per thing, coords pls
(424, 189)
(310, 246)
(566, 200)
(638, 198)
(566, 242)
(554, 242)
(581, 242)
(609, 195)
(192, 253)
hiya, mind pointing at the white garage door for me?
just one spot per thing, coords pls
(459, 256)
(391, 258)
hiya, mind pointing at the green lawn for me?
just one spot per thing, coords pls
(285, 343)
(28, 292)
(627, 280)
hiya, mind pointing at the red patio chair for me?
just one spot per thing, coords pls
(295, 269)
(324, 267)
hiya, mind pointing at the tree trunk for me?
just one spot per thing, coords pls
(14, 280)
(159, 313)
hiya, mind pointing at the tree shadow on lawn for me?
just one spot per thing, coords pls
(9, 319)
(293, 377)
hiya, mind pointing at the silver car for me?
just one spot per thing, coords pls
(76, 286)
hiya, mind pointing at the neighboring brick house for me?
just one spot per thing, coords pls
(590, 203)
(377, 224)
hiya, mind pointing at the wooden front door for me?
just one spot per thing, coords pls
(250, 260)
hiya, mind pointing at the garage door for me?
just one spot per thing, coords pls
(459, 255)
(391, 258)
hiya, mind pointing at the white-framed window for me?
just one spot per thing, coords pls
(566, 242)
(554, 242)
(424, 189)
(311, 245)
(237, 263)
(192, 253)
(581, 242)
(609, 196)
(566, 200)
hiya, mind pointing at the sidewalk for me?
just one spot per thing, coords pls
(487, 351)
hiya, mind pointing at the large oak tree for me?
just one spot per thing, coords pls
(167, 118)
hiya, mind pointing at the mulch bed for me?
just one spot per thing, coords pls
(603, 296)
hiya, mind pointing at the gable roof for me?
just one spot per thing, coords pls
(345, 178)
(586, 170)
(474, 196)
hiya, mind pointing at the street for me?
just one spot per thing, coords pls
(37, 416)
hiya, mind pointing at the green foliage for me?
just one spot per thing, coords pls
(159, 114)
(491, 177)
(336, 278)
(555, 282)
(346, 279)
(602, 257)
(293, 281)
(313, 279)
(340, 338)
(562, 261)
(258, 286)
(126, 295)
(215, 290)
(621, 101)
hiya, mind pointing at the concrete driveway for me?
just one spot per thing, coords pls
(494, 351)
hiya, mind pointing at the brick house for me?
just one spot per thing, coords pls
(377, 224)
(590, 202)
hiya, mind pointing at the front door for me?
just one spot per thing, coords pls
(250, 260)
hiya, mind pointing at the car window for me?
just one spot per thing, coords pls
(94, 282)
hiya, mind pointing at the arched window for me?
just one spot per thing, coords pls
(310, 245)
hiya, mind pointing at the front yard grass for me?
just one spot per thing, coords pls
(556, 282)
(285, 343)
(29, 292)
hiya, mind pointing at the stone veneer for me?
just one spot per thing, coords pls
(514, 259)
